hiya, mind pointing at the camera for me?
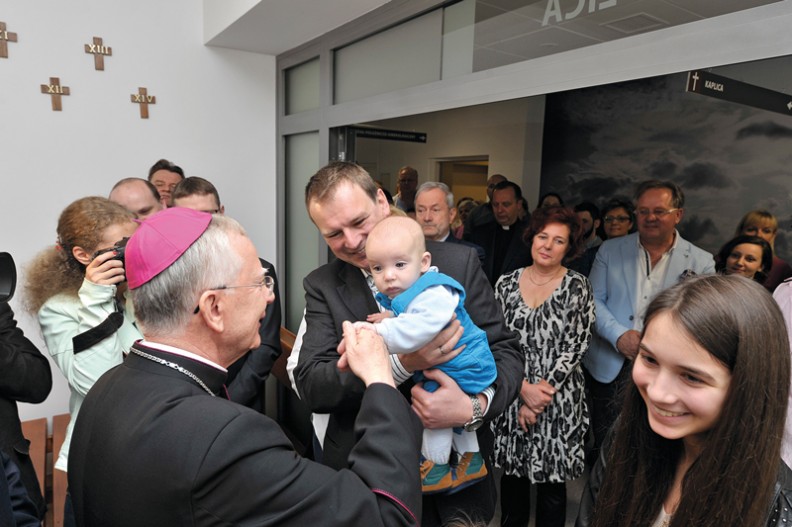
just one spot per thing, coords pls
(7, 277)
(119, 247)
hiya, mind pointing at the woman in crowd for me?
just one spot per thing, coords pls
(464, 206)
(550, 199)
(763, 224)
(698, 440)
(77, 288)
(749, 256)
(618, 218)
(539, 438)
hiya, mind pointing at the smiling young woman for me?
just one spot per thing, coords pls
(763, 224)
(748, 256)
(698, 440)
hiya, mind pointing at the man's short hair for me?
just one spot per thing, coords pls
(324, 183)
(431, 185)
(677, 196)
(165, 303)
(589, 207)
(509, 184)
(164, 164)
(194, 185)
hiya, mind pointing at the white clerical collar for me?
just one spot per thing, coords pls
(176, 351)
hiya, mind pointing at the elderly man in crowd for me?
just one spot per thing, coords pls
(628, 272)
(435, 211)
(157, 442)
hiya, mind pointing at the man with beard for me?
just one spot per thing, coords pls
(590, 220)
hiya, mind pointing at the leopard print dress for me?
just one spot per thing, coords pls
(554, 337)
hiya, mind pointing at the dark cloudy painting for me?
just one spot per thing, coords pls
(728, 158)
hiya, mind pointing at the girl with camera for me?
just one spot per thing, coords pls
(78, 291)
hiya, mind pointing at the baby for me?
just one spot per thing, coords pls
(419, 303)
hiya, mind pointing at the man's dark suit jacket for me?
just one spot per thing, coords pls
(24, 376)
(16, 509)
(479, 250)
(337, 292)
(151, 447)
(247, 375)
(518, 254)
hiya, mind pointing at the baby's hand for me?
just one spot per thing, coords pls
(363, 325)
(379, 317)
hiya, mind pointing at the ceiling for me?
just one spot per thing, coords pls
(506, 31)
(509, 31)
(275, 26)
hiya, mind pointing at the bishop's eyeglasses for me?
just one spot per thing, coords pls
(265, 281)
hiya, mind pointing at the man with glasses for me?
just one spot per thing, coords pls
(158, 444)
(628, 272)
(246, 377)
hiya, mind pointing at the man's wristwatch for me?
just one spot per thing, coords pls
(478, 416)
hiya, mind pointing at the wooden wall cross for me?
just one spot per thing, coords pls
(5, 38)
(143, 99)
(98, 50)
(55, 90)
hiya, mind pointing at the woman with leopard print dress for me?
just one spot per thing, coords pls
(539, 438)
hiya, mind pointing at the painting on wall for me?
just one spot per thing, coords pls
(728, 158)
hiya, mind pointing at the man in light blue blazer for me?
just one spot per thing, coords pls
(627, 274)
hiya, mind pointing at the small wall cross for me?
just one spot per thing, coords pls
(5, 38)
(143, 99)
(98, 50)
(55, 90)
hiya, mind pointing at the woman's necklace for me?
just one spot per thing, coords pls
(175, 366)
(531, 273)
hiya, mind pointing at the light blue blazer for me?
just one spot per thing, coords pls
(613, 278)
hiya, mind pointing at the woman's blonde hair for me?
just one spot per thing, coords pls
(760, 218)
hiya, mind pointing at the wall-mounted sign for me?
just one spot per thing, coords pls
(731, 90)
(393, 135)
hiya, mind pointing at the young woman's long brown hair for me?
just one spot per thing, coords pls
(55, 269)
(732, 481)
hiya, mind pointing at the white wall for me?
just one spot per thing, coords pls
(508, 132)
(215, 117)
